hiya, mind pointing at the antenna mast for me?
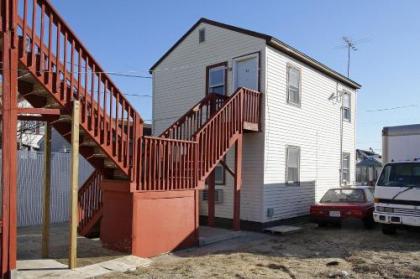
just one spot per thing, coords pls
(350, 46)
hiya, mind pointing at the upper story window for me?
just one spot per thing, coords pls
(216, 79)
(201, 35)
(293, 85)
(347, 107)
(292, 165)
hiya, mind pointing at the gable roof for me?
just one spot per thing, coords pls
(271, 41)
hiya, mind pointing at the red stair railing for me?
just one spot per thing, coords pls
(57, 58)
(167, 164)
(171, 164)
(191, 121)
(90, 199)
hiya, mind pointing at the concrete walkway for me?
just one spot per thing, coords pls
(47, 268)
(210, 235)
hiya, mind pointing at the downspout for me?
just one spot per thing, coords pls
(341, 136)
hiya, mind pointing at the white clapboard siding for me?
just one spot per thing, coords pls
(314, 127)
(179, 82)
(30, 186)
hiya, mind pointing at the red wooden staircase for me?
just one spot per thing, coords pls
(55, 69)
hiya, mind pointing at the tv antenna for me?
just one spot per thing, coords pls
(351, 45)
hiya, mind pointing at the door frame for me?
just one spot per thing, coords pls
(243, 57)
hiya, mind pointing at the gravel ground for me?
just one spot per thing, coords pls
(347, 252)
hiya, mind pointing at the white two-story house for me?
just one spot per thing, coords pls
(307, 142)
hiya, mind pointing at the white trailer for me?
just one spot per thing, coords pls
(401, 143)
(397, 191)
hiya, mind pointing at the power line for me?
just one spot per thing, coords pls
(393, 108)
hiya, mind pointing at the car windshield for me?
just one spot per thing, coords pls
(400, 175)
(344, 196)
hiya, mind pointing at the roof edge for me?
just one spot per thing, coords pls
(285, 48)
(271, 41)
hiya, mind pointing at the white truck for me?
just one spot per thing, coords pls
(397, 191)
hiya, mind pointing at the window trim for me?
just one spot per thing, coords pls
(208, 68)
(288, 67)
(349, 108)
(297, 183)
(348, 169)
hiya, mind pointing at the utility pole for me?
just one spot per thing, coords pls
(350, 46)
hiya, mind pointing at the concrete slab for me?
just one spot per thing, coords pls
(283, 229)
(210, 235)
(53, 269)
(40, 264)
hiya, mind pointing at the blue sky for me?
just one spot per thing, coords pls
(131, 35)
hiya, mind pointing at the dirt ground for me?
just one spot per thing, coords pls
(347, 252)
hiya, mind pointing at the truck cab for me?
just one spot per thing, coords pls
(397, 196)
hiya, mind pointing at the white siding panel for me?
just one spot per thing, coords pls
(314, 127)
(179, 82)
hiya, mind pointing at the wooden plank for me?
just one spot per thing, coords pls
(46, 192)
(74, 184)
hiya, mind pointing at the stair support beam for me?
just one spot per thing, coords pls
(46, 192)
(211, 189)
(9, 71)
(74, 184)
(237, 184)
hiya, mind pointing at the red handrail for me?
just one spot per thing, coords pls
(192, 120)
(167, 164)
(173, 164)
(63, 65)
(90, 198)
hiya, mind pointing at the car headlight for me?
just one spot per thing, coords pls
(379, 208)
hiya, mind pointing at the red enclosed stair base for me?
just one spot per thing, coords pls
(55, 69)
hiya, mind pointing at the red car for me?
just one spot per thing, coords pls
(340, 203)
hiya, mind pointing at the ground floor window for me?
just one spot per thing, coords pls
(346, 168)
(292, 165)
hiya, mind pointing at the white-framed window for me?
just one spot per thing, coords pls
(219, 175)
(218, 195)
(201, 35)
(346, 168)
(347, 106)
(216, 79)
(293, 85)
(292, 165)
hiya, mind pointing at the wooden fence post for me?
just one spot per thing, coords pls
(74, 184)
(46, 192)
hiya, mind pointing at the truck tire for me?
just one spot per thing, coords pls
(389, 229)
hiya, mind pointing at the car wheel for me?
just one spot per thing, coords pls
(389, 229)
(368, 222)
